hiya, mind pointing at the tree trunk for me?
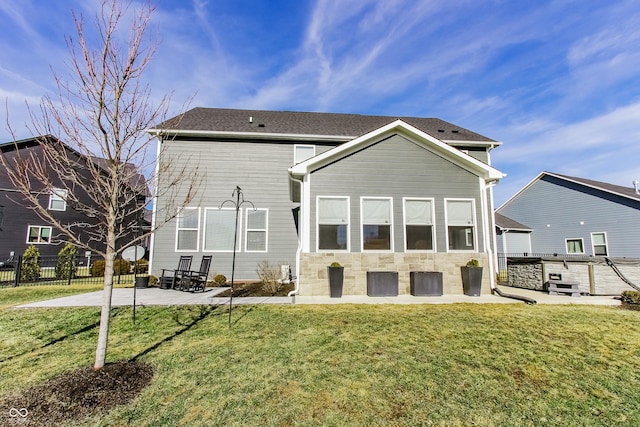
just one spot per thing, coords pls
(105, 313)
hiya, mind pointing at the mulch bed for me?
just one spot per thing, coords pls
(256, 289)
(77, 394)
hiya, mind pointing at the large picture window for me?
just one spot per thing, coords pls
(187, 229)
(377, 224)
(58, 200)
(418, 220)
(256, 230)
(333, 223)
(219, 228)
(39, 235)
(460, 225)
(599, 242)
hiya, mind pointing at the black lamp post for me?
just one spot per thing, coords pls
(239, 201)
(137, 228)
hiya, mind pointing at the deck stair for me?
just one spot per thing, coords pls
(556, 287)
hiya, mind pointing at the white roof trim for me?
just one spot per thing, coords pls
(459, 142)
(252, 135)
(399, 127)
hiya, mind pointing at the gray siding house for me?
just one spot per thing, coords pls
(375, 193)
(577, 216)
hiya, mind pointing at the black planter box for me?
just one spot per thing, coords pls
(142, 281)
(382, 283)
(426, 283)
(336, 280)
(472, 281)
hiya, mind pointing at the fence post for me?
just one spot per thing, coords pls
(17, 272)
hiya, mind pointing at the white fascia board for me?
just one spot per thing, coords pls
(251, 135)
(461, 143)
(415, 135)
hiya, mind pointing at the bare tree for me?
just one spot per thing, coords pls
(101, 113)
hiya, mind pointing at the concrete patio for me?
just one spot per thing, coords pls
(157, 296)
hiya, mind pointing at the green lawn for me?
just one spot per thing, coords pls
(381, 365)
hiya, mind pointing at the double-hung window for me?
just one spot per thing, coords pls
(599, 242)
(574, 246)
(58, 199)
(39, 235)
(219, 230)
(460, 224)
(187, 229)
(333, 223)
(377, 224)
(256, 230)
(418, 220)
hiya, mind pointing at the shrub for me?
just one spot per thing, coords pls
(630, 297)
(335, 264)
(142, 266)
(120, 266)
(30, 267)
(153, 280)
(220, 279)
(473, 263)
(67, 264)
(269, 276)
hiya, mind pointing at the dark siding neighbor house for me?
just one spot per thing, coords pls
(20, 226)
(577, 216)
(374, 193)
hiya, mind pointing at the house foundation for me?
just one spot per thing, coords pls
(314, 277)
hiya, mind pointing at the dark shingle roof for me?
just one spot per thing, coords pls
(609, 188)
(506, 223)
(308, 123)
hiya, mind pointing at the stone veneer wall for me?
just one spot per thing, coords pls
(314, 282)
(594, 276)
(525, 275)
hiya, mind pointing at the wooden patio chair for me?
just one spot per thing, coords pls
(193, 280)
(171, 278)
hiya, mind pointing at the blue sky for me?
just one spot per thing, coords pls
(557, 82)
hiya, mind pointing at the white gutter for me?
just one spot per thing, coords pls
(254, 135)
(487, 230)
(300, 229)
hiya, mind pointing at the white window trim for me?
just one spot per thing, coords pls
(433, 223)
(238, 231)
(295, 150)
(391, 226)
(178, 229)
(348, 249)
(58, 194)
(566, 249)
(40, 227)
(606, 243)
(266, 230)
(475, 225)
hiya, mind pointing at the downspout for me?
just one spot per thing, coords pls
(294, 292)
(494, 288)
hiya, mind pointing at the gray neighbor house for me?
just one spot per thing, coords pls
(566, 215)
(575, 230)
(374, 193)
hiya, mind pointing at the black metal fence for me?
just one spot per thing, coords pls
(60, 270)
